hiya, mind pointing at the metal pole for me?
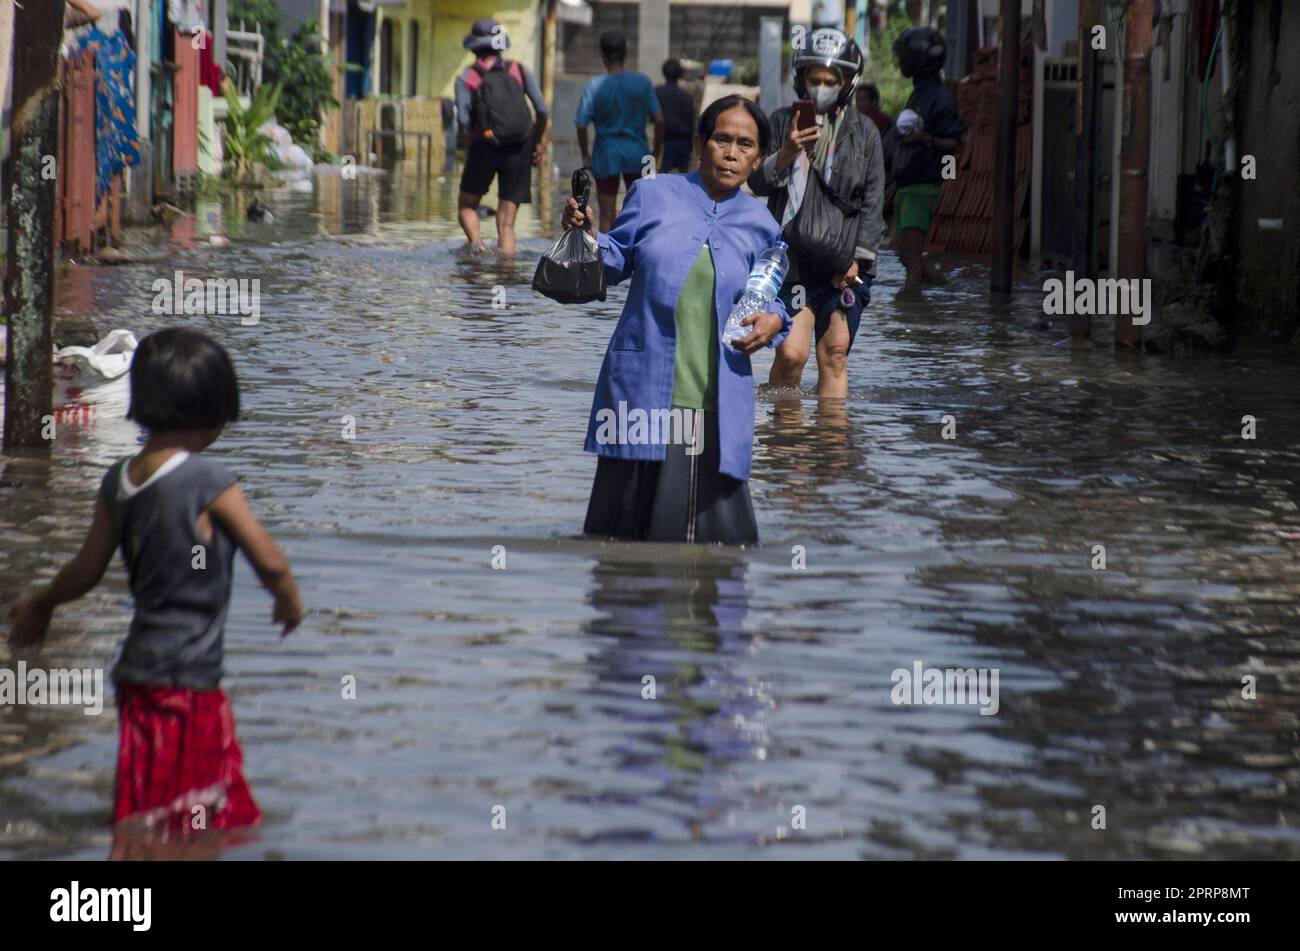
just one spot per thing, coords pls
(548, 54)
(1087, 117)
(548, 79)
(29, 273)
(955, 30)
(1004, 169)
(1135, 156)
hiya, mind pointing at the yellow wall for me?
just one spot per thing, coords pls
(443, 24)
(418, 117)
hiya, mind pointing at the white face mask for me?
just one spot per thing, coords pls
(825, 97)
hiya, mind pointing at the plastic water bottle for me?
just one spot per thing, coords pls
(764, 283)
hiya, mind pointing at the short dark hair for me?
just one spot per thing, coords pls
(672, 69)
(709, 118)
(182, 379)
(613, 46)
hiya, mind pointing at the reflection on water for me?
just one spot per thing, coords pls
(883, 544)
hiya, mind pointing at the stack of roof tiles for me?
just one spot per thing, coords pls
(963, 221)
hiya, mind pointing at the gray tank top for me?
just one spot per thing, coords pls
(180, 580)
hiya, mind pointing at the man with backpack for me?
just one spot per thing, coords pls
(505, 141)
(824, 183)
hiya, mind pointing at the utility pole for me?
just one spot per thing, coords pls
(30, 170)
(1004, 165)
(1134, 158)
(548, 54)
(1087, 116)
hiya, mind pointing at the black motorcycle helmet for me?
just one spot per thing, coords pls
(920, 51)
(829, 47)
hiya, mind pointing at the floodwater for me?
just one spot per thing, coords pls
(884, 545)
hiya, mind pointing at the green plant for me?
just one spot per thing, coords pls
(304, 75)
(246, 145)
(209, 185)
(744, 71)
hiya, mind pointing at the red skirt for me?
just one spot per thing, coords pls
(177, 752)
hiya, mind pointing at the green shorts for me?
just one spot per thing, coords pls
(914, 206)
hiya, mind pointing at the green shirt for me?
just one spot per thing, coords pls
(695, 374)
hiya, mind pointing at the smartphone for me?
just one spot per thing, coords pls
(805, 113)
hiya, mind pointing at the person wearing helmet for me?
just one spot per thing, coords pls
(842, 152)
(932, 130)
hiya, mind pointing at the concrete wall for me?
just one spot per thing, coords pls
(451, 20)
(1268, 260)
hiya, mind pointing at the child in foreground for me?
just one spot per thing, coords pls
(178, 519)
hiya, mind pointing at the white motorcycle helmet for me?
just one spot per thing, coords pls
(829, 47)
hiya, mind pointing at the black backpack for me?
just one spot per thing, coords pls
(500, 114)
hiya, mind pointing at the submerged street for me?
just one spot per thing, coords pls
(884, 544)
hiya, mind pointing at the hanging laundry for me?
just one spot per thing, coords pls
(116, 144)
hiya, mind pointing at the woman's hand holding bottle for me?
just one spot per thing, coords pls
(763, 327)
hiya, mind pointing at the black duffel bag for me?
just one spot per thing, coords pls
(572, 271)
(825, 230)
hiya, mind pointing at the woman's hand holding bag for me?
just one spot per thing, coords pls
(572, 271)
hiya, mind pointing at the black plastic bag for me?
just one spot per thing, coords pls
(572, 271)
(825, 229)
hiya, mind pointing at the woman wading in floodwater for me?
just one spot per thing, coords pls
(688, 243)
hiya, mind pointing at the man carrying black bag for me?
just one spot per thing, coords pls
(825, 184)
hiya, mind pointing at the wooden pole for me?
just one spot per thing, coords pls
(1087, 117)
(1134, 159)
(29, 270)
(1004, 168)
(548, 55)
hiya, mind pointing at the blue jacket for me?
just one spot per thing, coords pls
(655, 241)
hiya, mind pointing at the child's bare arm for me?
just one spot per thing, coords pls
(231, 511)
(31, 615)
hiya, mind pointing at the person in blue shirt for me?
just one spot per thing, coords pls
(619, 104)
(672, 418)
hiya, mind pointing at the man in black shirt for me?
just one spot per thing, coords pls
(679, 119)
(918, 162)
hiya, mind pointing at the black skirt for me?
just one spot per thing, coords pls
(682, 499)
